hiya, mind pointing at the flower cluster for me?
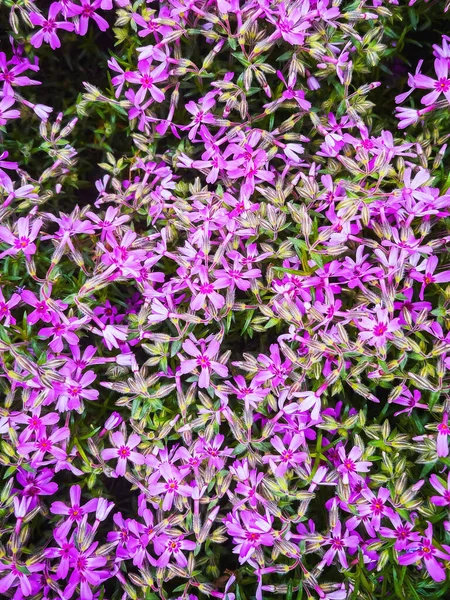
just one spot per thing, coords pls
(225, 370)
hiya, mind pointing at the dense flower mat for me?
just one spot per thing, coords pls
(224, 299)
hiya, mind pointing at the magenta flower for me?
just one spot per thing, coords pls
(23, 240)
(291, 25)
(251, 393)
(444, 498)
(249, 531)
(88, 12)
(235, 276)
(375, 508)
(172, 487)
(402, 532)
(10, 74)
(112, 335)
(5, 114)
(63, 552)
(425, 551)
(411, 116)
(206, 291)
(5, 308)
(351, 465)
(74, 512)
(442, 437)
(171, 547)
(35, 423)
(378, 328)
(146, 77)
(441, 85)
(123, 451)
(288, 458)
(274, 369)
(200, 115)
(85, 572)
(204, 360)
(36, 484)
(213, 452)
(429, 276)
(43, 311)
(338, 542)
(44, 444)
(74, 390)
(49, 27)
(62, 331)
(23, 576)
(410, 400)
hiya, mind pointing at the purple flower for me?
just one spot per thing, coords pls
(213, 452)
(429, 275)
(439, 86)
(88, 12)
(123, 451)
(172, 487)
(338, 542)
(146, 77)
(249, 531)
(288, 458)
(85, 572)
(5, 308)
(442, 437)
(24, 576)
(425, 551)
(204, 360)
(171, 547)
(444, 498)
(49, 27)
(74, 512)
(351, 465)
(5, 114)
(402, 532)
(377, 328)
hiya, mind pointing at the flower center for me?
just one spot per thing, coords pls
(124, 452)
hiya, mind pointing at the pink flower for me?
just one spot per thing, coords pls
(402, 532)
(49, 27)
(439, 86)
(444, 498)
(442, 437)
(5, 308)
(123, 451)
(425, 551)
(5, 114)
(287, 458)
(249, 531)
(171, 547)
(88, 12)
(74, 512)
(173, 485)
(338, 542)
(147, 77)
(204, 360)
(378, 328)
(429, 276)
(350, 465)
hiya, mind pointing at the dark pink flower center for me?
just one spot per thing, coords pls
(21, 242)
(75, 513)
(443, 84)
(123, 452)
(172, 485)
(203, 362)
(380, 329)
(49, 26)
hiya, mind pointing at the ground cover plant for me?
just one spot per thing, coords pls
(224, 299)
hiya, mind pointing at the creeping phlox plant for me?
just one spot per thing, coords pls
(224, 299)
